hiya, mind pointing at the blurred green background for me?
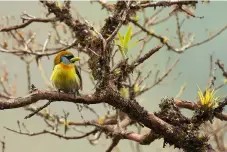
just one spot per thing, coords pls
(193, 66)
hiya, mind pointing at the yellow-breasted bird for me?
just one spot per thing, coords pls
(65, 76)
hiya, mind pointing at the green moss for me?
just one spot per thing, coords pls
(188, 134)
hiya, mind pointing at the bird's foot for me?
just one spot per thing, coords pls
(59, 91)
(76, 93)
(32, 88)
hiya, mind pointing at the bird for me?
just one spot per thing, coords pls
(65, 75)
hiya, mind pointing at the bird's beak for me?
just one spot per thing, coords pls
(74, 59)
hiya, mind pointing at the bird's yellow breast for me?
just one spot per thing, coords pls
(64, 77)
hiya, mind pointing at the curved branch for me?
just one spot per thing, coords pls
(194, 105)
(39, 54)
(29, 21)
(47, 95)
(53, 133)
(113, 98)
(188, 45)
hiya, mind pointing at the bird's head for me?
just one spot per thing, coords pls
(65, 57)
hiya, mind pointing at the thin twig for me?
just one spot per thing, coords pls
(3, 144)
(160, 79)
(53, 133)
(38, 109)
(114, 143)
(29, 21)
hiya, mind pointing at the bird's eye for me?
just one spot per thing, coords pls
(69, 56)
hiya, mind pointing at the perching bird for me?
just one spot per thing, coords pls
(65, 76)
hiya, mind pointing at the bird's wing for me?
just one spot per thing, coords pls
(78, 73)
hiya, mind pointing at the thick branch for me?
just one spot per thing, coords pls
(47, 95)
(131, 108)
(194, 105)
(163, 4)
(167, 131)
(121, 134)
(63, 14)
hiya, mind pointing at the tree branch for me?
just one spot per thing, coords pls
(131, 108)
(146, 56)
(163, 4)
(28, 22)
(53, 133)
(195, 105)
(48, 95)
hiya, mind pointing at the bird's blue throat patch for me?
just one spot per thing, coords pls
(65, 60)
